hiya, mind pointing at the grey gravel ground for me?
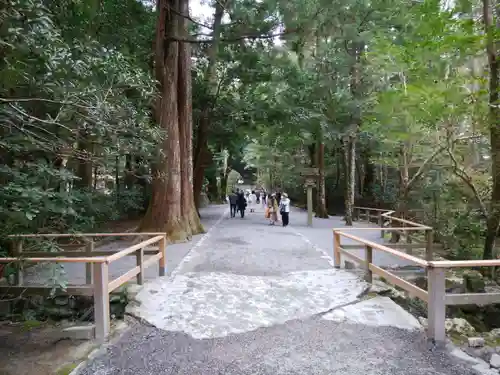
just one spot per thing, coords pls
(249, 251)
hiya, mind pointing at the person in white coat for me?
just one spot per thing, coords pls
(252, 201)
(285, 209)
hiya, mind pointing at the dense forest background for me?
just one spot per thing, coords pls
(123, 109)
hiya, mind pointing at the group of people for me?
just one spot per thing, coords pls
(276, 205)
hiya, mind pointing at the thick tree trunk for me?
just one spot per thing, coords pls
(175, 226)
(172, 207)
(321, 210)
(494, 123)
(189, 210)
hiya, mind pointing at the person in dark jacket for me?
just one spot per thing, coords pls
(241, 203)
(233, 200)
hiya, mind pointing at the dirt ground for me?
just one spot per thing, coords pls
(36, 348)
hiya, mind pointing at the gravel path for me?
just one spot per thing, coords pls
(253, 299)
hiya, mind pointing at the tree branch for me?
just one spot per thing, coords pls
(19, 100)
(431, 158)
(252, 36)
(189, 18)
(464, 176)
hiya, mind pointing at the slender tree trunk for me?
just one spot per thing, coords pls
(223, 186)
(361, 176)
(130, 175)
(350, 163)
(404, 189)
(369, 179)
(201, 151)
(338, 170)
(213, 193)
(494, 123)
(84, 160)
(321, 210)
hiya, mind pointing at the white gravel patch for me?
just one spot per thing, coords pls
(375, 312)
(208, 305)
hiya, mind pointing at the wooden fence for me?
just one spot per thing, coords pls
(435, 296)
(96, 263)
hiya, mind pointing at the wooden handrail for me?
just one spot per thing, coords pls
(436, 297)
(404, 221)
(464, 263)
(62, 259)
(97, 268)
(386, 229)
(387, 214)
(386, 249)
(62, 235)
(372, 209)
(133, 248)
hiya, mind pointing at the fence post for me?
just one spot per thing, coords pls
(436, 305)
(368, 216)
(381, 223)
(89, 248)
(101, 300)
(139, 261)
(369, 260)
(429, 240)
(162, 245)
(336, 249)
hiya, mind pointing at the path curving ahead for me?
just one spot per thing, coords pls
(253, 299)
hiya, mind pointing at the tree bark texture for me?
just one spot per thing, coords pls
(185, 103)
(171, 208)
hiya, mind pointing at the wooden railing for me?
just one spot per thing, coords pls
(435, 296)
(409, 230)
(96, 263)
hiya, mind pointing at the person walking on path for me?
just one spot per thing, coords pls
(272, 205)
(233, 200)
(252, 201)
(241, 203)
(285, 209)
